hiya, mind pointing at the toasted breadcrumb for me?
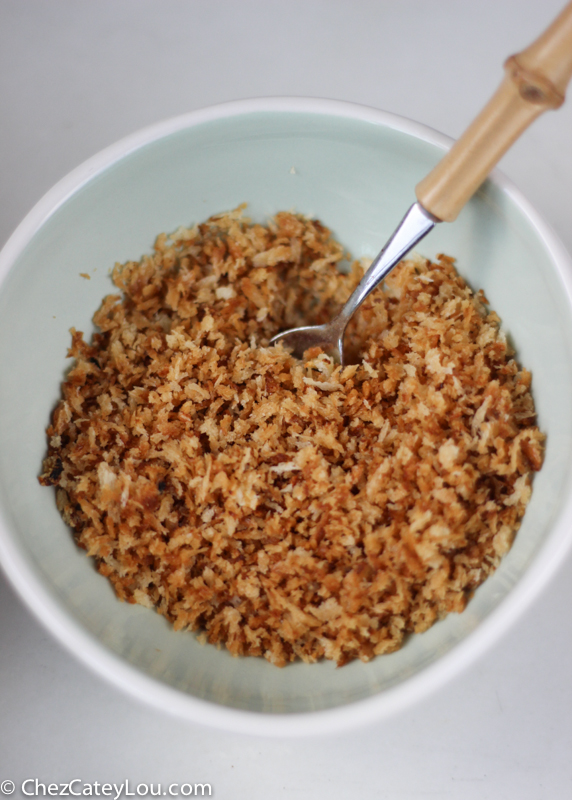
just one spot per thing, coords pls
(286, 509)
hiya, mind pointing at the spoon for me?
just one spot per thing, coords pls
(535, 80)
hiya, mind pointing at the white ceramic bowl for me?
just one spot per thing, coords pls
(356, 169)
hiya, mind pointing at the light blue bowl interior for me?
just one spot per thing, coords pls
(358, 178)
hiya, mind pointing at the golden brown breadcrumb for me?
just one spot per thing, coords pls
(291, 509)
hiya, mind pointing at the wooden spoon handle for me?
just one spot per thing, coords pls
(535, 80)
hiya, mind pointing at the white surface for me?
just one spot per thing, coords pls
(76, 76)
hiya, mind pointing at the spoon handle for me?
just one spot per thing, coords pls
(535, 80)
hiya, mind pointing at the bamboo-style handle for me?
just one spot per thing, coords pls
(535, 80)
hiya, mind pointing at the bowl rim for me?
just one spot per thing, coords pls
(52, 613)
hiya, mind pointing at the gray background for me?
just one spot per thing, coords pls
(74, 77)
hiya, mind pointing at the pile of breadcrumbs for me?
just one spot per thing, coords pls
(291, 509)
